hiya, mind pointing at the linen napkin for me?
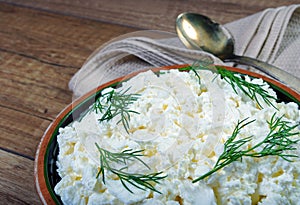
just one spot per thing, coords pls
(272, 35)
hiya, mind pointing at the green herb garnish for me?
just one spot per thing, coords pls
(114, 103)
(236, 80)
(252, 90)
(141, 181)
(199, 65)
(275, 143)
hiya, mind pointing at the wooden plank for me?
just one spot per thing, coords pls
(38, 56)
(33, 87)
(51, 38)
(21, 132)
(17, 180)
(154, 14)
(39, 53)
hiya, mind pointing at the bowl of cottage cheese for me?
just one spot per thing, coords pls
(176, 136)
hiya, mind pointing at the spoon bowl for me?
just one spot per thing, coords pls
(200, 32)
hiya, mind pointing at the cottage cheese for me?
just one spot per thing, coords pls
(182, 127)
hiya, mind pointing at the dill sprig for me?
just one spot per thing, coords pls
(276, 143)
(199, 65)
(141, 181)
(236, 81)
(114, 103)
(252, 90)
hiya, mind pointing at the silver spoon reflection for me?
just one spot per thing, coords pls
(199, 32)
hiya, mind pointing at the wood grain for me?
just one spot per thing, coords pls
(16, 180)
(36, 66)
(21, 132)
(26, 86)
(39, 53)
(52, 39)
(154, 14)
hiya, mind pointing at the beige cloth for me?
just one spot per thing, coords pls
(272, 35)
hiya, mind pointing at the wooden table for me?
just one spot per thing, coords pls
(43, 43)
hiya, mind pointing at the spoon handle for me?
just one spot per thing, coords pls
(276, 73)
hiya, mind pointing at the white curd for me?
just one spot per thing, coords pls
(182, 127)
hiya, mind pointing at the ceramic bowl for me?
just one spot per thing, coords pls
(46, 176)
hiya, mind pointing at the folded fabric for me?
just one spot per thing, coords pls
(272, 35)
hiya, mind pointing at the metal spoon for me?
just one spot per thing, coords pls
(199, 32)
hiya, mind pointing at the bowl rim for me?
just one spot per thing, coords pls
(40, 172)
